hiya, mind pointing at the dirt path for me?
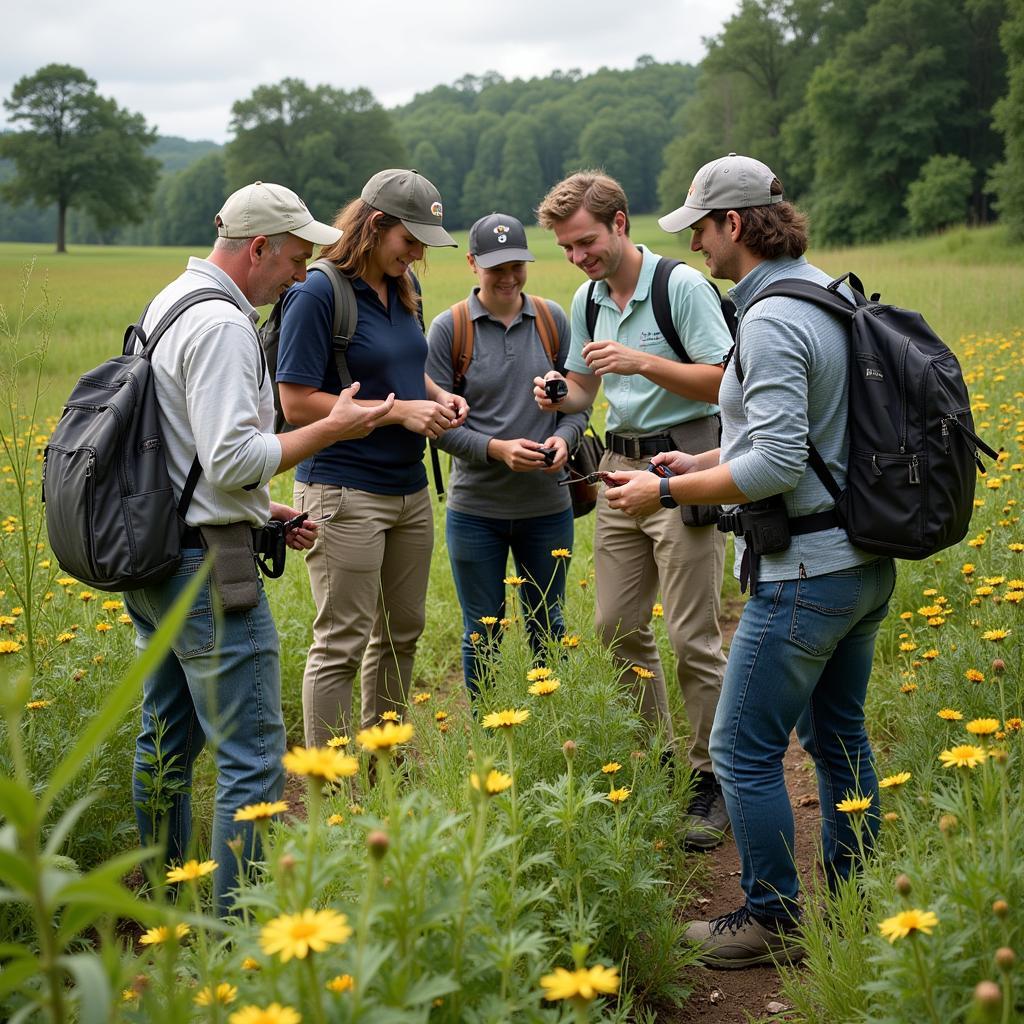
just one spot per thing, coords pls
(724, 997)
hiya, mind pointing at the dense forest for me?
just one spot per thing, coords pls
(881, 117)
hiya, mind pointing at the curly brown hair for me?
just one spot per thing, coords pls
(361, 235)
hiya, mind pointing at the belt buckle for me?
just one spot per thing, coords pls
(633, 446)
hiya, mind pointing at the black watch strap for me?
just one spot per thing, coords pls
(666, 499)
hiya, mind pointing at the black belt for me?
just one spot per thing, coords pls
(634, 447)
(192, 537)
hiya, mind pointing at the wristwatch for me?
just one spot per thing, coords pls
(666, 499)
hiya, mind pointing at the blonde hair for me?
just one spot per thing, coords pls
(354, 250)
(596, 192)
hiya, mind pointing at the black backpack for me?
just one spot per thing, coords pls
(346, 316)
(663, 310)
(111, 515)
(913, 452)
(344, 326)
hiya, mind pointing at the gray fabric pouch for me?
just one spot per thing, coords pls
(693, 438)
(234, 571)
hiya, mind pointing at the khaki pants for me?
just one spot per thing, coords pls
(634, 559)
(368, 572)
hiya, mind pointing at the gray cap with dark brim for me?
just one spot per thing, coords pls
(407, 195)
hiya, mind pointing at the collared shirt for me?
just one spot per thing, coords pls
(387, 353)
(216, 400)
(499, 390)
(637, 405)
(794, 358)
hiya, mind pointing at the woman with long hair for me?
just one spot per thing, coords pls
(369, 567)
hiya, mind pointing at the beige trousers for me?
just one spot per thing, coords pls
(368, 572)
(634, 560)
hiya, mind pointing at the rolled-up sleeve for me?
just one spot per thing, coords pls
(223, 376)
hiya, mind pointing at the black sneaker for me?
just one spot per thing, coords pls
(707, 823)
(740, 939)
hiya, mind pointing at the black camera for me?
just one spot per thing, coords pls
(549, 455)
(555, 389)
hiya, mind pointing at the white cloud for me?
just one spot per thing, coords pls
(182, 64)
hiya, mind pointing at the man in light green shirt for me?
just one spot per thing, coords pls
(656, 402)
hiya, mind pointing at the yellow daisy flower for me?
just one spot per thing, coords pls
(390, 716)
(899, 779)
(544, 687)
(224, 994)
(261, 811)
(962, 756)
(275, 1013)
(581, 985)
(341, 983)
(495, 782)
(161, 933)
(908, 922)
(641, 673)
(191, 870)
(339, 742)
(386, 736)
(950, 715)
(854, 804)
(297, 935)
(571, 640)
(982, 726)
(561, 553)
(421, 698)
(323, 763)
(619, 796)
(505, 719)
(611, 767)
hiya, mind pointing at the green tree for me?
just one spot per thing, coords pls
(322, 142)
(941, 195)
(189, 201)
(1008, 177)
(79, 150)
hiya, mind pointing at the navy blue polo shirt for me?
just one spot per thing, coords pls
(387, 353)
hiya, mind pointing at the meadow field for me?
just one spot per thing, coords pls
(459, 901)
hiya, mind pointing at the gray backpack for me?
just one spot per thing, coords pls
(111, 514)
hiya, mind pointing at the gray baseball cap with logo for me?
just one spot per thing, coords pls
(407, 195)
(496, 239)
(729, 183)
(263, 208)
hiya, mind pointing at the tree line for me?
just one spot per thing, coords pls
(880, 116)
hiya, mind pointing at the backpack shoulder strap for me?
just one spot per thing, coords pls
(546, 327)
(345, 315)
(179, 307)
(419, 292)
(462, 343)
(591, 311)
(663, 307)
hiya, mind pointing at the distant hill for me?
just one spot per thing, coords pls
(175, 154)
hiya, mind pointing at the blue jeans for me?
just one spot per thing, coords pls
(219, 684)
(478, 548)
(801, 658)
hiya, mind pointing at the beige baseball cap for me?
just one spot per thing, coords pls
(263, 208)
(729, 183)
(407, 195)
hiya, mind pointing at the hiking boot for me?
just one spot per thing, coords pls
(740, 939)
(708, 820)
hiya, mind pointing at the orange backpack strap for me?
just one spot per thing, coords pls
(546, 327)
(462, 343)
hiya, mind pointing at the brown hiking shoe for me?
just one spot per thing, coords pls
(707, 823)
(740, 940)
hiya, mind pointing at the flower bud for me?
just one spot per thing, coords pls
(569, 749)
(378, 843)
(1005, 958)
(949, 824)
(236, 845)
(998, 666)
(287, 862)
(1000, 908)
(890, 816)
(903, 885)
(988, 995)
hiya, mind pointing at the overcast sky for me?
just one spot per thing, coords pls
(183, 63)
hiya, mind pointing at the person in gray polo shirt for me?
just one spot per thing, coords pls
(802, 654)
(509, 456)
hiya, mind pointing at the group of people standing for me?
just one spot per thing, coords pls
(475, 384)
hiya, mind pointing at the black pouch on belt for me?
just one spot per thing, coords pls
(695, 437)
(233, 565)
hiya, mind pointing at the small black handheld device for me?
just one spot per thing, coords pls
(295, 522)
(660, 470)
(555, 389)
(549, 455)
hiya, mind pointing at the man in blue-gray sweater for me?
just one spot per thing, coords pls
(802, 654)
